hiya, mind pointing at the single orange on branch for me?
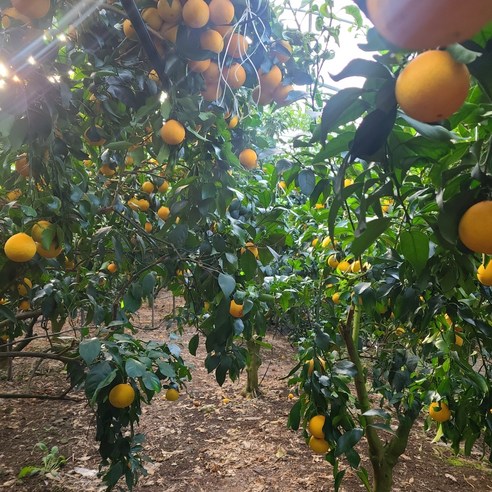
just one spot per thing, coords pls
(172, 132)
(433, 86)
(475, 227)
(248, 158)
(439, 411)
(122, 395)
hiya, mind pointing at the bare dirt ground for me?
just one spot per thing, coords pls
(200, 443)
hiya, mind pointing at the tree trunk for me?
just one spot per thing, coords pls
(252, 389)
(383, 475)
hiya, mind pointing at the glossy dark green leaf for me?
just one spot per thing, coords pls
(193, 344)
(373, 230)
(227, 284)
(348, 440)
(89, 350)
(415, 248)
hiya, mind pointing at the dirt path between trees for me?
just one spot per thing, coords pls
(200, 443)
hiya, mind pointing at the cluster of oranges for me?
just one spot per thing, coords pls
(221, 51)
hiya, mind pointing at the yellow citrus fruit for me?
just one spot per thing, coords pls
(290, 396)
(211, 40)
(163, 187)
(34, 9)
(147, 187)
(400, 331)
(439, 411)
(164, 212)
(248, 158)
(122, 395)
(20, 247)
(14, 195)
(458, 340)
(38, 228)
(152, 18)
(432, 86)
(348, 182)
(355, 267)
(236, 45)
(315, 426)
(24, 287)
(319, 446)
(419, 24)
(315, 242)
(235, 309)
(310, 364)
(326, 242)
(195, 13)
(336, 297)
(24, 305)
(484, 274)
(52, 252)
(251, 247)
(332, 261)
(112, 267)
(148, 227)
(172, 394)
(475, 227)
(172, 132)
(221, 12)
(235, 76)
(170, 12)
(344, 266)
(282, 185)
(22, 166)
(199, 66)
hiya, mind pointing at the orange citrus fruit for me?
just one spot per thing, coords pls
(422, 24)
(172, 132)
(475, 227)
(152, 18)
(122, 395)
(235, 76)
(195, 13)
(439, 411)
(147, 187)
(52, 252)
(221, 12)
(20, 247)
(235, 309)
(164, 212)
(22, 166)
(433, 86)
(170, 12)
(199, 66)
(112, 267)
(211, 40)
(24, 287)
(236, 45)
(248, 158)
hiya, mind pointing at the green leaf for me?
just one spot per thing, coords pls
(148, 284)
(151, 381)
(227, 284)
(433, 132)
(377, 412)
(345, 367)
(307, 181)
(363, 68)
(134, 368)
(97, 374)
(373, 230)
(294, 418)
(415, 249)
(193, 344)
(348, 440)
(89, 350)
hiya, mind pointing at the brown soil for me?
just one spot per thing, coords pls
(201, 443)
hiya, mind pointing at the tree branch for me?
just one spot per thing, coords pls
(39, 355)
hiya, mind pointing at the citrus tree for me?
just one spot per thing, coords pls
(128, 131)
(388, 276)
